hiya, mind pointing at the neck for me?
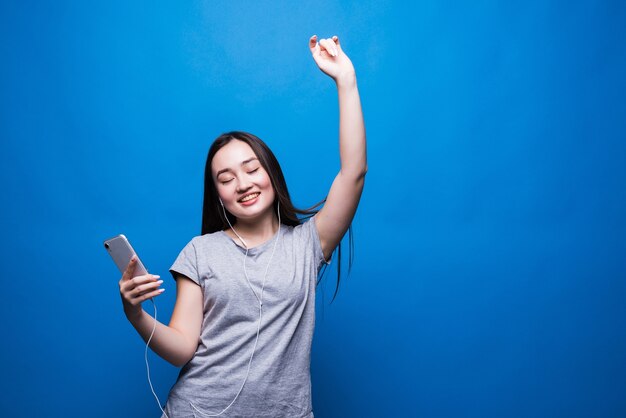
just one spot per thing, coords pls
(256, 232)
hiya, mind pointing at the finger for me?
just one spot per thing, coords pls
(336, 41)
(141, 280)
(147, 296)
(130, 285)
(145, 288)
(329, 46)
(324, 45)
(313, 45)
(130, 269)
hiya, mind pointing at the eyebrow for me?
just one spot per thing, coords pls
(249, 160)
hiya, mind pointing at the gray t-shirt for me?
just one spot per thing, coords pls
(279, 382)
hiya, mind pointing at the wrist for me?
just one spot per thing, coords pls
(133, 313)
(346, 80)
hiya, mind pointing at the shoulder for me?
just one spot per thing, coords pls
(306, 231)
(196, 257)
(207, 239)
(298, 230)
(200, 244)
(306, 238)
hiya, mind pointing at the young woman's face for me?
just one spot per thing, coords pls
(241, 181)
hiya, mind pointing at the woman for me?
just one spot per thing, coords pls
(243, 321)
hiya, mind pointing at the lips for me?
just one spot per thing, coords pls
(249, 197)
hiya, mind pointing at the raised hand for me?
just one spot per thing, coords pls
(334, 218)
(330, 58)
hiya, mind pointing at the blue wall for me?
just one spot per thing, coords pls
(489, 277)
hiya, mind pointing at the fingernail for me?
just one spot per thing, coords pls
(157, 277)
(161, 290)
(160, 281)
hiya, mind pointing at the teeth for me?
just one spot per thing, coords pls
(249, 197)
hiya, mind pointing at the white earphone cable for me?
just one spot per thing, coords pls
(146, 358)
(258, 329)
(259, 299)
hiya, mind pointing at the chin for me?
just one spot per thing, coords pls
(257, 210)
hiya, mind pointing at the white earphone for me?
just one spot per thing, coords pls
(259, 299)
(231, 227)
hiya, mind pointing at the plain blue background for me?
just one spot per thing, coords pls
(489, 276)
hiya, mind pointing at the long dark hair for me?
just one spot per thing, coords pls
(213, 217)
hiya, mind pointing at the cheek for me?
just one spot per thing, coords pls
(222, 191)
(266, 183)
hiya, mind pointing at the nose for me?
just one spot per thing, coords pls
(243, 184)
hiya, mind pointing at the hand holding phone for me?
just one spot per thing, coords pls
(136, 284)
(122, 252)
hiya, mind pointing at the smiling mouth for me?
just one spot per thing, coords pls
(249, 197)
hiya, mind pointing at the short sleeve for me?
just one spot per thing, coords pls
(187, 263)
(310, 230)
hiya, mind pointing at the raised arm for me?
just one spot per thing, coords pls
(334, 219)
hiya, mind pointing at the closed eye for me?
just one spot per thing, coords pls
(253, 171)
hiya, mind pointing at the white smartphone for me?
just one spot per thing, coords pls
(121, 252)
